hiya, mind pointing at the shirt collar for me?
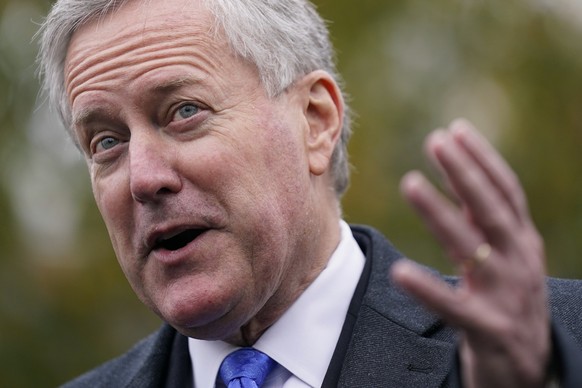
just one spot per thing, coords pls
(304, 338)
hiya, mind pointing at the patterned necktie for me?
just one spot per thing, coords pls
(246, 368)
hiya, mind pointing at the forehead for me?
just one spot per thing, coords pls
(136, 16)
(141, 28)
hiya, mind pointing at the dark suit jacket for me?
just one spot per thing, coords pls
(388, 340)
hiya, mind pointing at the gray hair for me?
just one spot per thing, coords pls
(284, 39)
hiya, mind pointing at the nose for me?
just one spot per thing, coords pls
(152, 169)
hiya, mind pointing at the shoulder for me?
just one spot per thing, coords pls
(566, 304)
(565, 295)
(145, 359)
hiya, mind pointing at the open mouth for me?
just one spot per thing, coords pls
(179, 241)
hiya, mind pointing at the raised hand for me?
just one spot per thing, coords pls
(500, 306)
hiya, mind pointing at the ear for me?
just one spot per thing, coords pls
(323, 109)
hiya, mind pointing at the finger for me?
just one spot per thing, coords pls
(501, 175)
(437, 169)
(488, 208)
(497, 170)
(435, 294)
(447, 223)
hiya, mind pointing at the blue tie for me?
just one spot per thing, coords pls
(246, 368)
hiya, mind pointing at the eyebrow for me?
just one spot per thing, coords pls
(171, 85)
(90, 114)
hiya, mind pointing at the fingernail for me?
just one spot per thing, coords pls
(402, 270)
(411, 183)
(401, 267)
(437, 138)
(463, 129)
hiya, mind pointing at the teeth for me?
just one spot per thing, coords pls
(168, 236)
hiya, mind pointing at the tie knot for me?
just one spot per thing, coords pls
(246, 368)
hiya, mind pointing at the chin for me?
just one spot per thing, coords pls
(200, 314)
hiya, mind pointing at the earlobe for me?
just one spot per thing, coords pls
(324, 113)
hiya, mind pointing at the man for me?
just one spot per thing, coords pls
(215, 135)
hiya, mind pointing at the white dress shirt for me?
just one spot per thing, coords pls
(302, 341)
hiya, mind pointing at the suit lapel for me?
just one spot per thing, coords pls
(164, 362)
(180, 366)
(387, 336)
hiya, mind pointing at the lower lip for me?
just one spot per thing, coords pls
(181, 255)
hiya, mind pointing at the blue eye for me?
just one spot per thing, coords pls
(107, 143)
(185, 112)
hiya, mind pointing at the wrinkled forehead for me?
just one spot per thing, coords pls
(140, 18)
(148, 10)
(135, 16)
(140, 27)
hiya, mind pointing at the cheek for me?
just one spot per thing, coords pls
(287, 170)
(286, 149)
(111, 199)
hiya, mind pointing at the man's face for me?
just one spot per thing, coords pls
(202, 180)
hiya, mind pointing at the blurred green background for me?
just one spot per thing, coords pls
(513, 67)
